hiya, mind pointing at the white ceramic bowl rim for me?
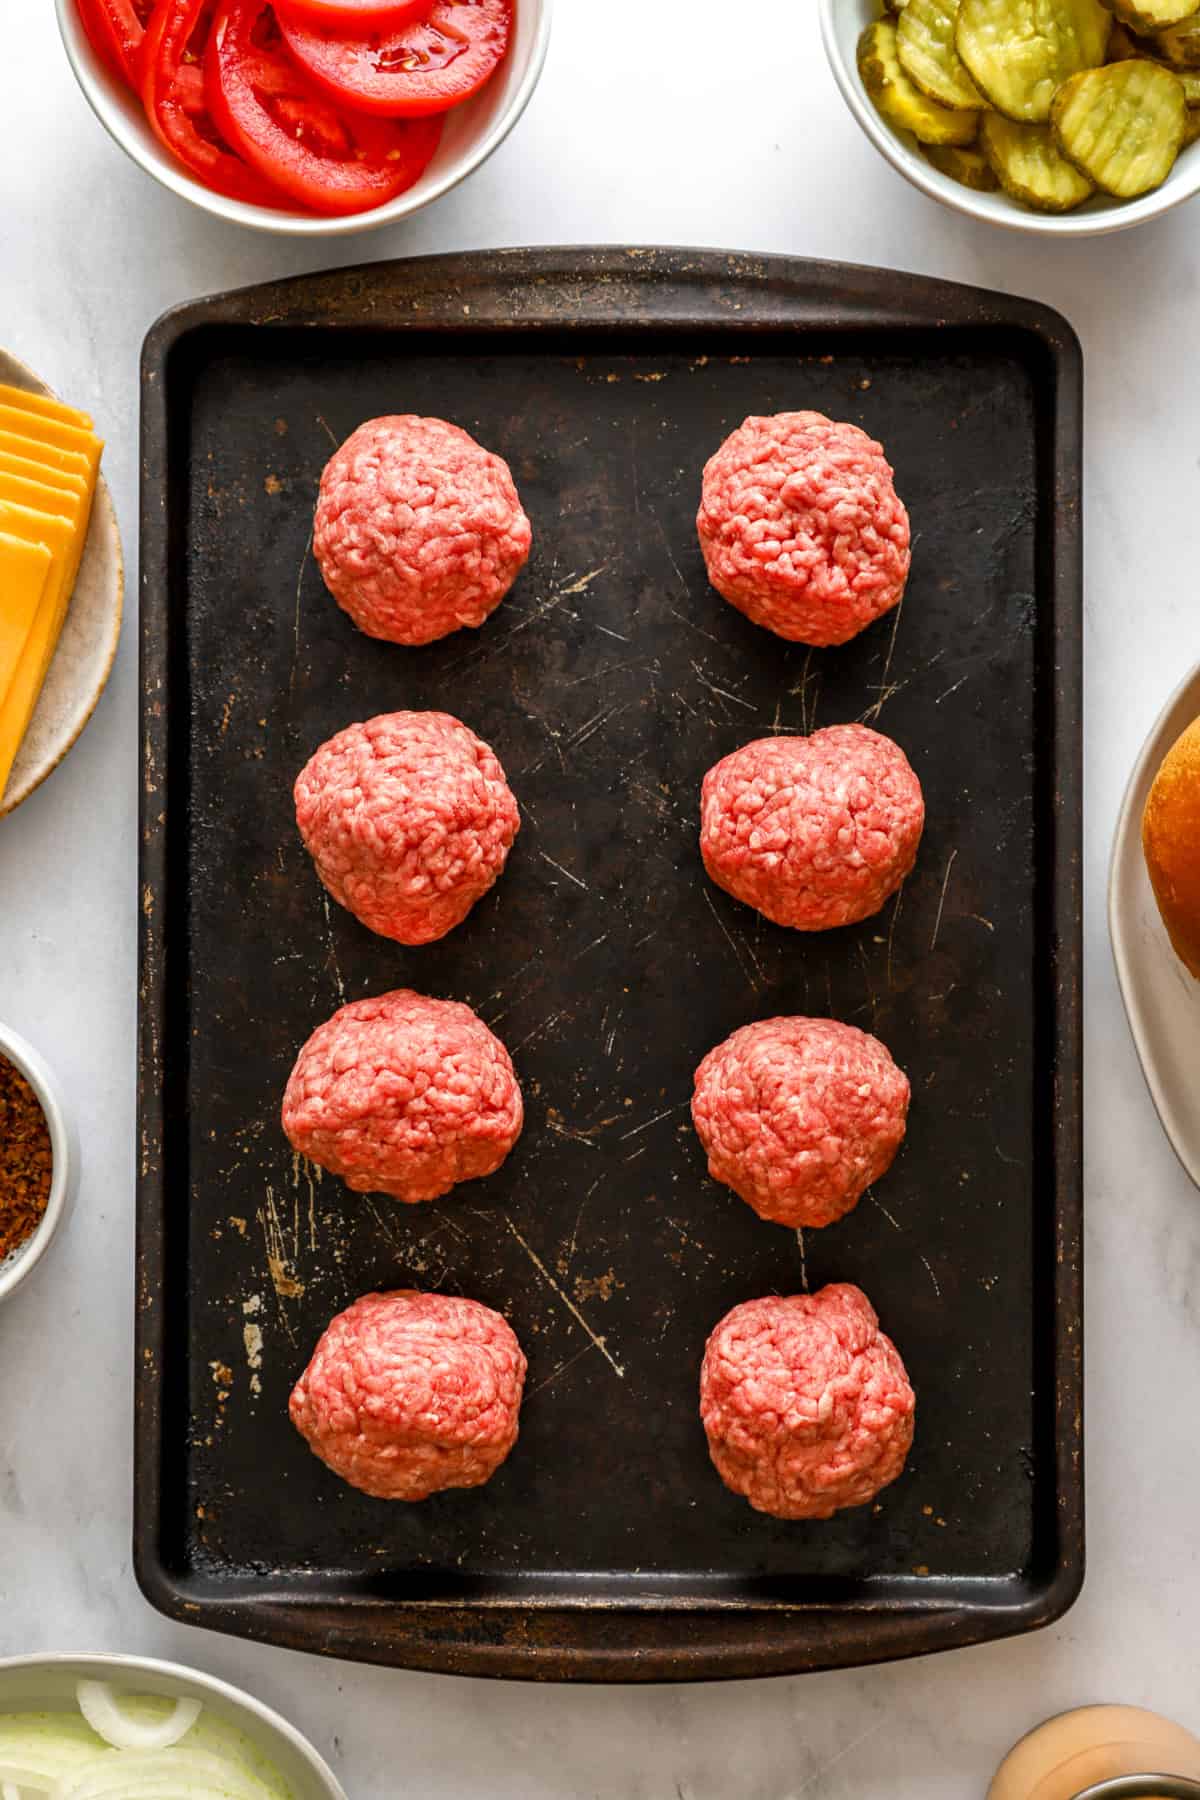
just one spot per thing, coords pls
(99, 86)
(37, 1073)
(1094, 220)
(104, 1665)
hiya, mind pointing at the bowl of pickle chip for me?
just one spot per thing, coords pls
(1068, 117)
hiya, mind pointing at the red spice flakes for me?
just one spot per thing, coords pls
(26, 1159)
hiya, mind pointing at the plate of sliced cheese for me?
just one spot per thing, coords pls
(62, 580)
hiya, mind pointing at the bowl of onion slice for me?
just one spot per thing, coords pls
(107, 1727)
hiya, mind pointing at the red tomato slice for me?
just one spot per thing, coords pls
(173, 92)
(117, 29)
(353, 16)
(328, 159)
(97, 37)
(425, 67)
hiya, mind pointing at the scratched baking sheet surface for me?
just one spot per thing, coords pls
(608, 682)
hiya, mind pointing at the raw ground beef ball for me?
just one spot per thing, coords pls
(801, 527)
(813, 831)
(806, 1403)
(418, 529)
(404, 1095)
(409, 820)
(410, 1393)
(800, 1116)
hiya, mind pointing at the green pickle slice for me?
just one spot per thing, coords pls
(925, 46)
(964, 164)
(1153, 15)
(899, 100)
(1122, 126)
(1019, 52)
(1124, 46)
(1030, 167)
(1180, 44)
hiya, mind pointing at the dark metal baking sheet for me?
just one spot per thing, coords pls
(612, 677)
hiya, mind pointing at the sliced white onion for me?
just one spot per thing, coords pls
(161, 1775)
(101, 1709)
(64, 1755)
(14, 1779)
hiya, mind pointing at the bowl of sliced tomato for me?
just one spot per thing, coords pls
(311, 117)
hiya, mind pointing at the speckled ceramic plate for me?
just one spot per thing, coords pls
(89, 637)
(1161, 998)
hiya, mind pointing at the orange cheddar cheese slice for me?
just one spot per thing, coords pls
(70, 462)
(42, 496)
(61, 479)
(33, 526)
(44, 405)
(24, 571)
(51, 432)
(58, 536)
(65, 538)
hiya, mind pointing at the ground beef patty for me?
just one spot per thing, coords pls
(404, 1095)
(813, 831)
(806, 1403)
(409, 820)
(418, 529)
(410, 1393)
(800, 1116)
(801, 527)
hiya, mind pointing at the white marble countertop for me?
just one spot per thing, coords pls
(717, 129)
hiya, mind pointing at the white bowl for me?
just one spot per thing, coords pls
(471, 133)
(39, 1682)
(64, 1152)
(842, 22)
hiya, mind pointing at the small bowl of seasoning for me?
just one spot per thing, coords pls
(39, 1162)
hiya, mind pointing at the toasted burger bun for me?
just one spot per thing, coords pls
(1171, 843)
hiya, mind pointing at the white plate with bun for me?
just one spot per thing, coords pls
(1162, 998)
